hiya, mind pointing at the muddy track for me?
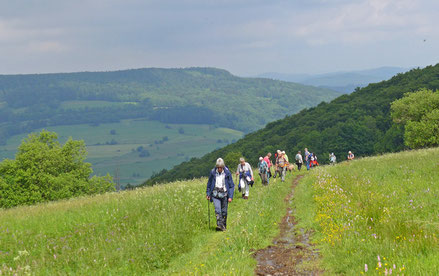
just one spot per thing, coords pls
(291, 252)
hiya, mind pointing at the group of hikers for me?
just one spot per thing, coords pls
(220, 186)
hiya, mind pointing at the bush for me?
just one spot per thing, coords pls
(45, 170)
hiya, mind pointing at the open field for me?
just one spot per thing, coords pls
(109, 152)
(377, 214)
(158, 230)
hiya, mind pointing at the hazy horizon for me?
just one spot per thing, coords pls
(244, 37)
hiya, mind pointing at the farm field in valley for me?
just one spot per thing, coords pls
(162, 145)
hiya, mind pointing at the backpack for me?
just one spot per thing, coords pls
(263, 167)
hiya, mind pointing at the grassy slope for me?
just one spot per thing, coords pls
(130, 134)
(158, 230)
(383, 206)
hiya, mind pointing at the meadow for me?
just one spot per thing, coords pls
(377, 215)
(158, 230)
(120, 151)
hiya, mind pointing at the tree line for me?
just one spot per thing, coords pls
(193, 95)
(360, 122)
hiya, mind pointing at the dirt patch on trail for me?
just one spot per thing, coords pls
(291, 252)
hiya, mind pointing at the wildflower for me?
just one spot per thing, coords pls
(379, 264)
(54, 256)
(365, 268)
(379, 259)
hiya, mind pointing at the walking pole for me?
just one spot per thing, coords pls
(208, 212)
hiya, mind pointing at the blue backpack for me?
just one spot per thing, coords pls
(263, 166)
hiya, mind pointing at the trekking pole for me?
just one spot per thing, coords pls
(208, 212)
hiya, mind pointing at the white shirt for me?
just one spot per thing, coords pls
(220, 181)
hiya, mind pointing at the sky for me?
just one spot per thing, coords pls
(246, 37)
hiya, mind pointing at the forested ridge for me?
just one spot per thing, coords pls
(360, 122)
(192, 95)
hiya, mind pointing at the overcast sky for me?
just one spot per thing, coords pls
(246, 37)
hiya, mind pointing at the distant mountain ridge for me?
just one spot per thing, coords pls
(190, 95)
(343, 81)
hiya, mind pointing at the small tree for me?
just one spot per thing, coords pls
(419, 113)
(45, 170)
(232, 160)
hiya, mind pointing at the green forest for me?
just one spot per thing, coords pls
(360, 122)
(190, 96)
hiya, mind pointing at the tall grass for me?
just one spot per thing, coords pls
(157, 230)
(375, 215)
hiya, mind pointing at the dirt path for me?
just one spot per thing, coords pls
(291, 252)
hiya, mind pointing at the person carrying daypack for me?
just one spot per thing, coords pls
(267, 159)
(263, 171)
(332, 159)
(281, 165)
(307, 158)
(276, 157)
(246, 179)
(299, 160)
(351, 156)
(220, 188)
(314, 162)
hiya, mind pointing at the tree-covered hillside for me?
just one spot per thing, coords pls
(193, 95)
(359, 122)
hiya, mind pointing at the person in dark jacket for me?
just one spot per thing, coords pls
(220, 188)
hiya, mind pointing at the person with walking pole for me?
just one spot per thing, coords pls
(220, 188)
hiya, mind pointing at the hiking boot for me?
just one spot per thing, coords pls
(221, 228)
(219, 223)
(245, 197)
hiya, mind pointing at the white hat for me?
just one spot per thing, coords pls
(283, 152)
(260, 158)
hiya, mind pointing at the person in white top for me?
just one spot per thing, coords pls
(246, 179)
(219, 190)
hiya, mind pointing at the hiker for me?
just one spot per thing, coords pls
(332, 159)
(314, 162)
(351, 156)
(299, 160)
(281, 166)
(263, 171)
(220, 188)
(276, 157)
(267, 159)
(246, 179)
(307, 158)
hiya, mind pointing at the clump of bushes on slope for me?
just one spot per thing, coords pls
(45, 170)
(419, 113)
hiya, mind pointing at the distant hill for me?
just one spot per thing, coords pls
(192, 95)
(359, 122)
(136, 122)
(345, 82)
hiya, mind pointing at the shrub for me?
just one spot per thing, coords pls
(45, 170)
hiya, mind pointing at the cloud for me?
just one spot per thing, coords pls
(245, 36)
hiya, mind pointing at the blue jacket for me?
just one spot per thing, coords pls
(229, 183)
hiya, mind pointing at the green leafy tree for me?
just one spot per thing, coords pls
(45, 170)
(419, 113)
(232, 159)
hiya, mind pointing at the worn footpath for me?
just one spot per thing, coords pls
(291, 252)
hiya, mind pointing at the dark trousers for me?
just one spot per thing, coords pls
(299, 165)
(221, 205)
